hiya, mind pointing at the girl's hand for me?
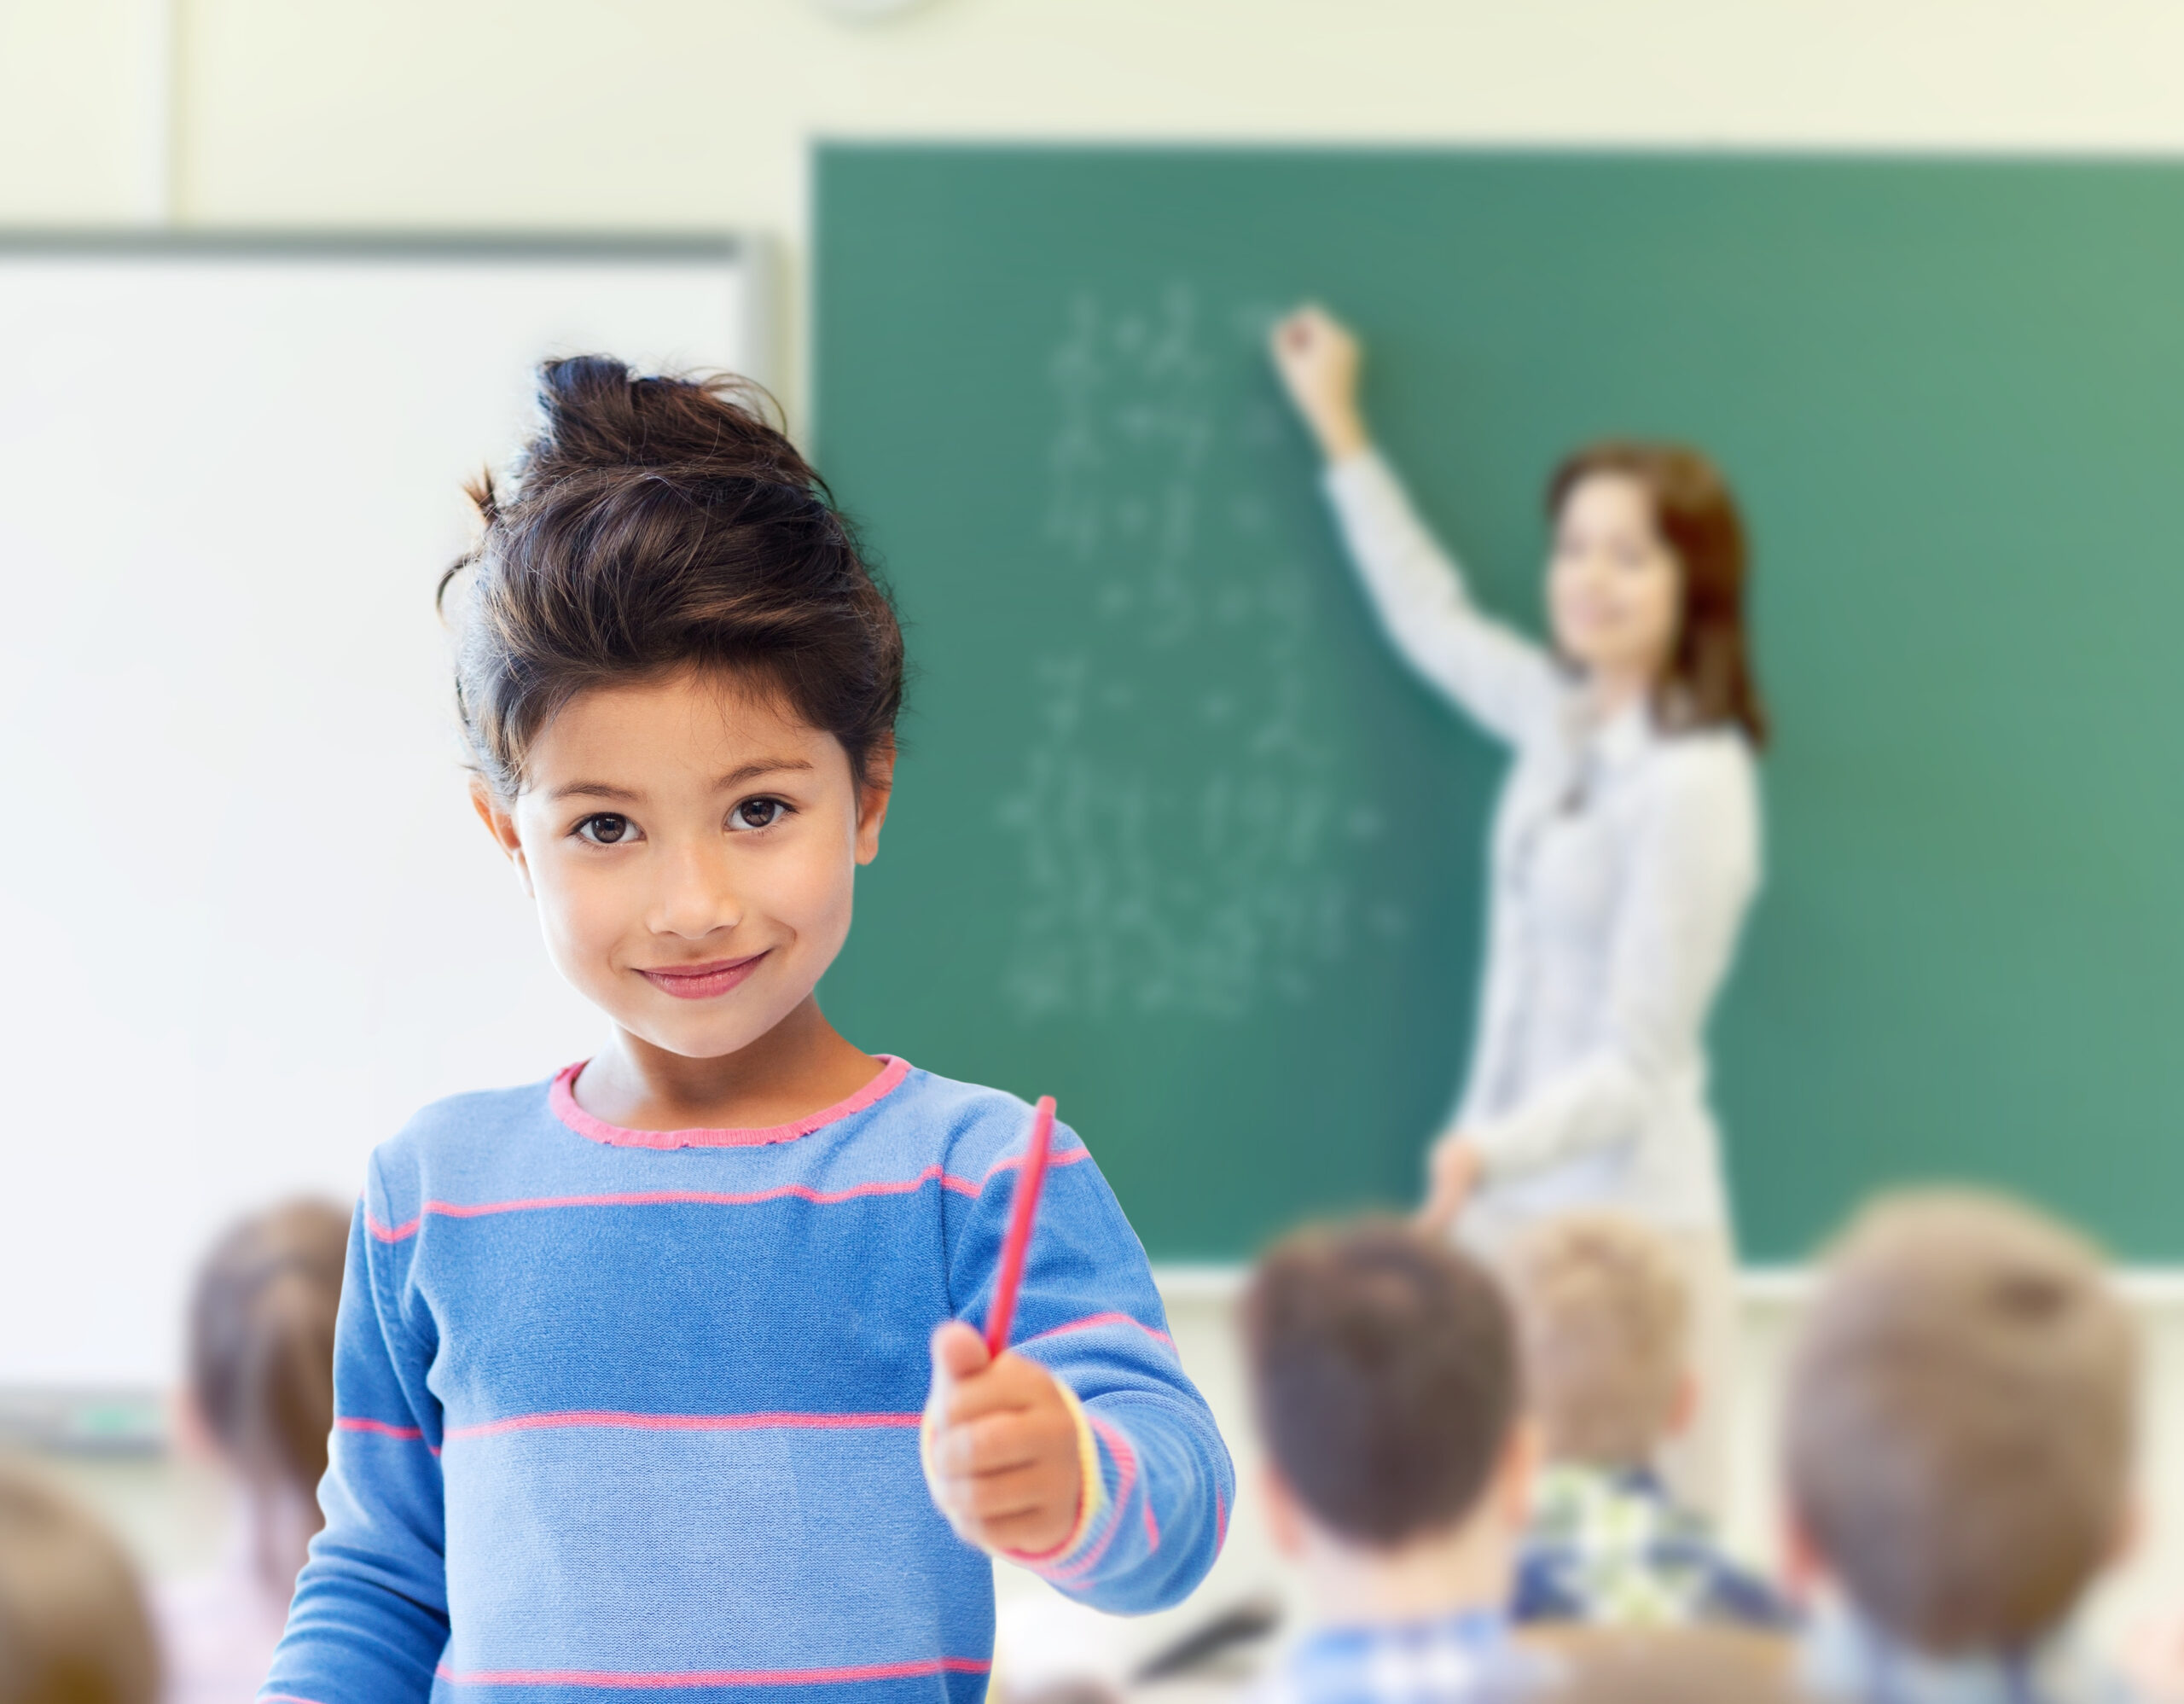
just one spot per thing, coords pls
(1000, 1447)
(1318, 360)
(1452, 1170)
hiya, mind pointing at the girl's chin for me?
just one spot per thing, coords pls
(700, 1034)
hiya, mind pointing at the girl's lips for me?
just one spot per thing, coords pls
(702, 981)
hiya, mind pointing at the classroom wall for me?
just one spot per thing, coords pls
(602, 113)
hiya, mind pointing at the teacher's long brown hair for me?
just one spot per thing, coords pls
(1710, 681)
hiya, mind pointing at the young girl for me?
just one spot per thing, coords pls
(631, 1363)
(259, 1403)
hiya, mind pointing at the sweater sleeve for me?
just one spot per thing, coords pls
(369, 1618)
(1504, 682)
(1675, 928)
(1158, 1481)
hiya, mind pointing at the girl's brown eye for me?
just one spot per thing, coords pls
(758, 813)
(606, 829)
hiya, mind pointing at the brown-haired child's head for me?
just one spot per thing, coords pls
(261, 1343)
(1383, 1374)
(680, 684)
(1961, 1421)
(73, 1628)
(1602, 1314)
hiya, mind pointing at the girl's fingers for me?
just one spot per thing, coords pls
(991, 1445)
(994, 1498)
(1009, 1383)
(1032, 1534)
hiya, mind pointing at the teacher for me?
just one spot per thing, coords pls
(1626, 842)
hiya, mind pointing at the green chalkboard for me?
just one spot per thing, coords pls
(1178, 840)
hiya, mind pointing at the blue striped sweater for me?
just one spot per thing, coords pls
(622, 1411)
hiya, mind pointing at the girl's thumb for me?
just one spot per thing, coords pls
(958, 1352)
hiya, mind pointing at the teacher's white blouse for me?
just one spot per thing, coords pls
(1623, 859)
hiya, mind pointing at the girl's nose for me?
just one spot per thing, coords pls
(696, 898)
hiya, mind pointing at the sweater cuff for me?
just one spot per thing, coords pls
(1499, 1146)
(1362, 467)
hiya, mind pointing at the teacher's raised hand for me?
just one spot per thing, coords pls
(1452, 1171)
(1319, 358)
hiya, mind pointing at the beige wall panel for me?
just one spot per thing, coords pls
(79, 104)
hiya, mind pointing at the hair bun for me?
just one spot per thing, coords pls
(601, 414)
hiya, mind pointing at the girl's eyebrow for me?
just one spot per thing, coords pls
(752, 770)
(595, 789)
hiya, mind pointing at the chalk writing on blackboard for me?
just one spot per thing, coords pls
(1180, 809)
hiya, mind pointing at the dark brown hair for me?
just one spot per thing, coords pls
(1384, 1371)
(74, 1627)
(261, 1342)
(656, 524)
(1961, 1414)
(1710, 682)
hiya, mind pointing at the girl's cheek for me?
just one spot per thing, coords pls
(582, 912)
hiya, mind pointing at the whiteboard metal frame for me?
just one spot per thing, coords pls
(757, 254)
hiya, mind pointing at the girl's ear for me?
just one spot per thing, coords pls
(500, 823)
(872, 798)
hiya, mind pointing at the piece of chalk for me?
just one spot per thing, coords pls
(1029, 1181)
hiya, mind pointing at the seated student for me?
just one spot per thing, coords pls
(1604, 1320)
(1960, 1435)
(260, 1403)
(73, 1625)
(1383, 1374)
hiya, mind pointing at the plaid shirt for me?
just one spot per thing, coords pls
(1610, 1547)
(1462, 1658)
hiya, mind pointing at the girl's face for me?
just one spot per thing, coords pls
(692, 846)
(1614, 589)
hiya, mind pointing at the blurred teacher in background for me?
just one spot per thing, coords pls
(1626, 844)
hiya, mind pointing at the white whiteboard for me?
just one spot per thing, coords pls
(250, 924)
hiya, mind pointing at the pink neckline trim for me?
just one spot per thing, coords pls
(562, 1099)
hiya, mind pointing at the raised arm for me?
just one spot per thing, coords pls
(1504, 681)
(1675, 936)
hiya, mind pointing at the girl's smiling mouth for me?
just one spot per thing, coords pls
(702, 981)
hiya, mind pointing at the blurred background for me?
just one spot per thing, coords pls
(1910, 268)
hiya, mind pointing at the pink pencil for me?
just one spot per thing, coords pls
(1020, 1212)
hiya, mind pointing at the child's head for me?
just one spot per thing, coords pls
(679, 683)
(261, 1346)
(73, 1628)
(1961, 1421)
(1383, 1374)
(1602, 1314)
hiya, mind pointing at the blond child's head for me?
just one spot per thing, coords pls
(73, 1628)
(1961, 1421)
(1603, 1317)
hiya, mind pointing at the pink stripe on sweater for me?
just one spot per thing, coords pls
(654, 1679)
(1068, 1156)
(562, 1098)
(689, 1422)
(1093, 1322)
(656, 1198)
(346, 1422)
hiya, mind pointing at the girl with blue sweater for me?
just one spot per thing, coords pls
(662, 1374)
